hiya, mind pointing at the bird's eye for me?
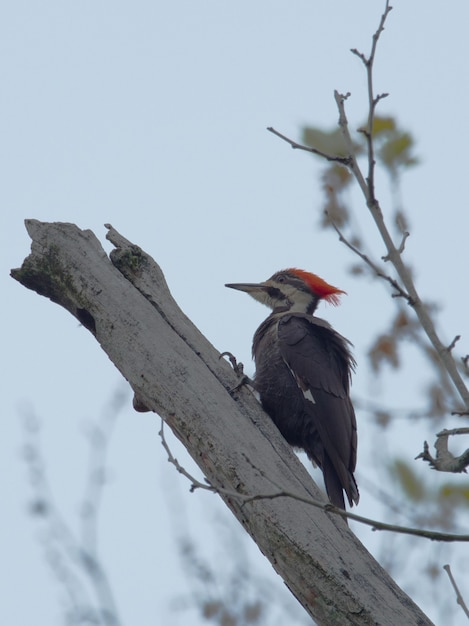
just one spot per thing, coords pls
(281, 279)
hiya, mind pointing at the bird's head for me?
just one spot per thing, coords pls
(291, 290)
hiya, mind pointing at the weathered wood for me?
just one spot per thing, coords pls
(125, 302)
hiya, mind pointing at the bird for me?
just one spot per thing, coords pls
(303, 376)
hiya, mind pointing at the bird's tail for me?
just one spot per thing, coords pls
(335, 487)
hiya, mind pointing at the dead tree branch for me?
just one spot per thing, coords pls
(445, 461)
(125, 303)
(459, 598)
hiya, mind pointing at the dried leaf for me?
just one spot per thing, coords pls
(401, 322)
(336, 177)
(252, 613)
(433, 570)
(211, 608)
(384, 350)
(382, 418)
(357, 269)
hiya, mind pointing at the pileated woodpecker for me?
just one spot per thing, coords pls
(303, 370)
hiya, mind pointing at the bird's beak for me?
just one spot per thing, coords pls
(251, 288)
(258, 291)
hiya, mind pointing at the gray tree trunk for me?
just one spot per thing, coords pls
(175, 372)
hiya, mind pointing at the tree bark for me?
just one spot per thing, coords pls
(175, 372)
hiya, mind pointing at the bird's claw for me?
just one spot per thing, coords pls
(238, 369)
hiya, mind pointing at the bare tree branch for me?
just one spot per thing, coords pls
(298, 146)
(368, 190)
(70, 560)
(367, 187)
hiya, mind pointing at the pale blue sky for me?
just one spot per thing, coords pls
(152, 116)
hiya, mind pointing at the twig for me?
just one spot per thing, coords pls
(400, 293)
(298, 146)
(401, 247)
(404, 239)
(195, 484)
(453, 343)
(459, 598)
(372, 100)
(326, 507)
(99, 436)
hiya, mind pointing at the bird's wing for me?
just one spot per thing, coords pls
(320, 361)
